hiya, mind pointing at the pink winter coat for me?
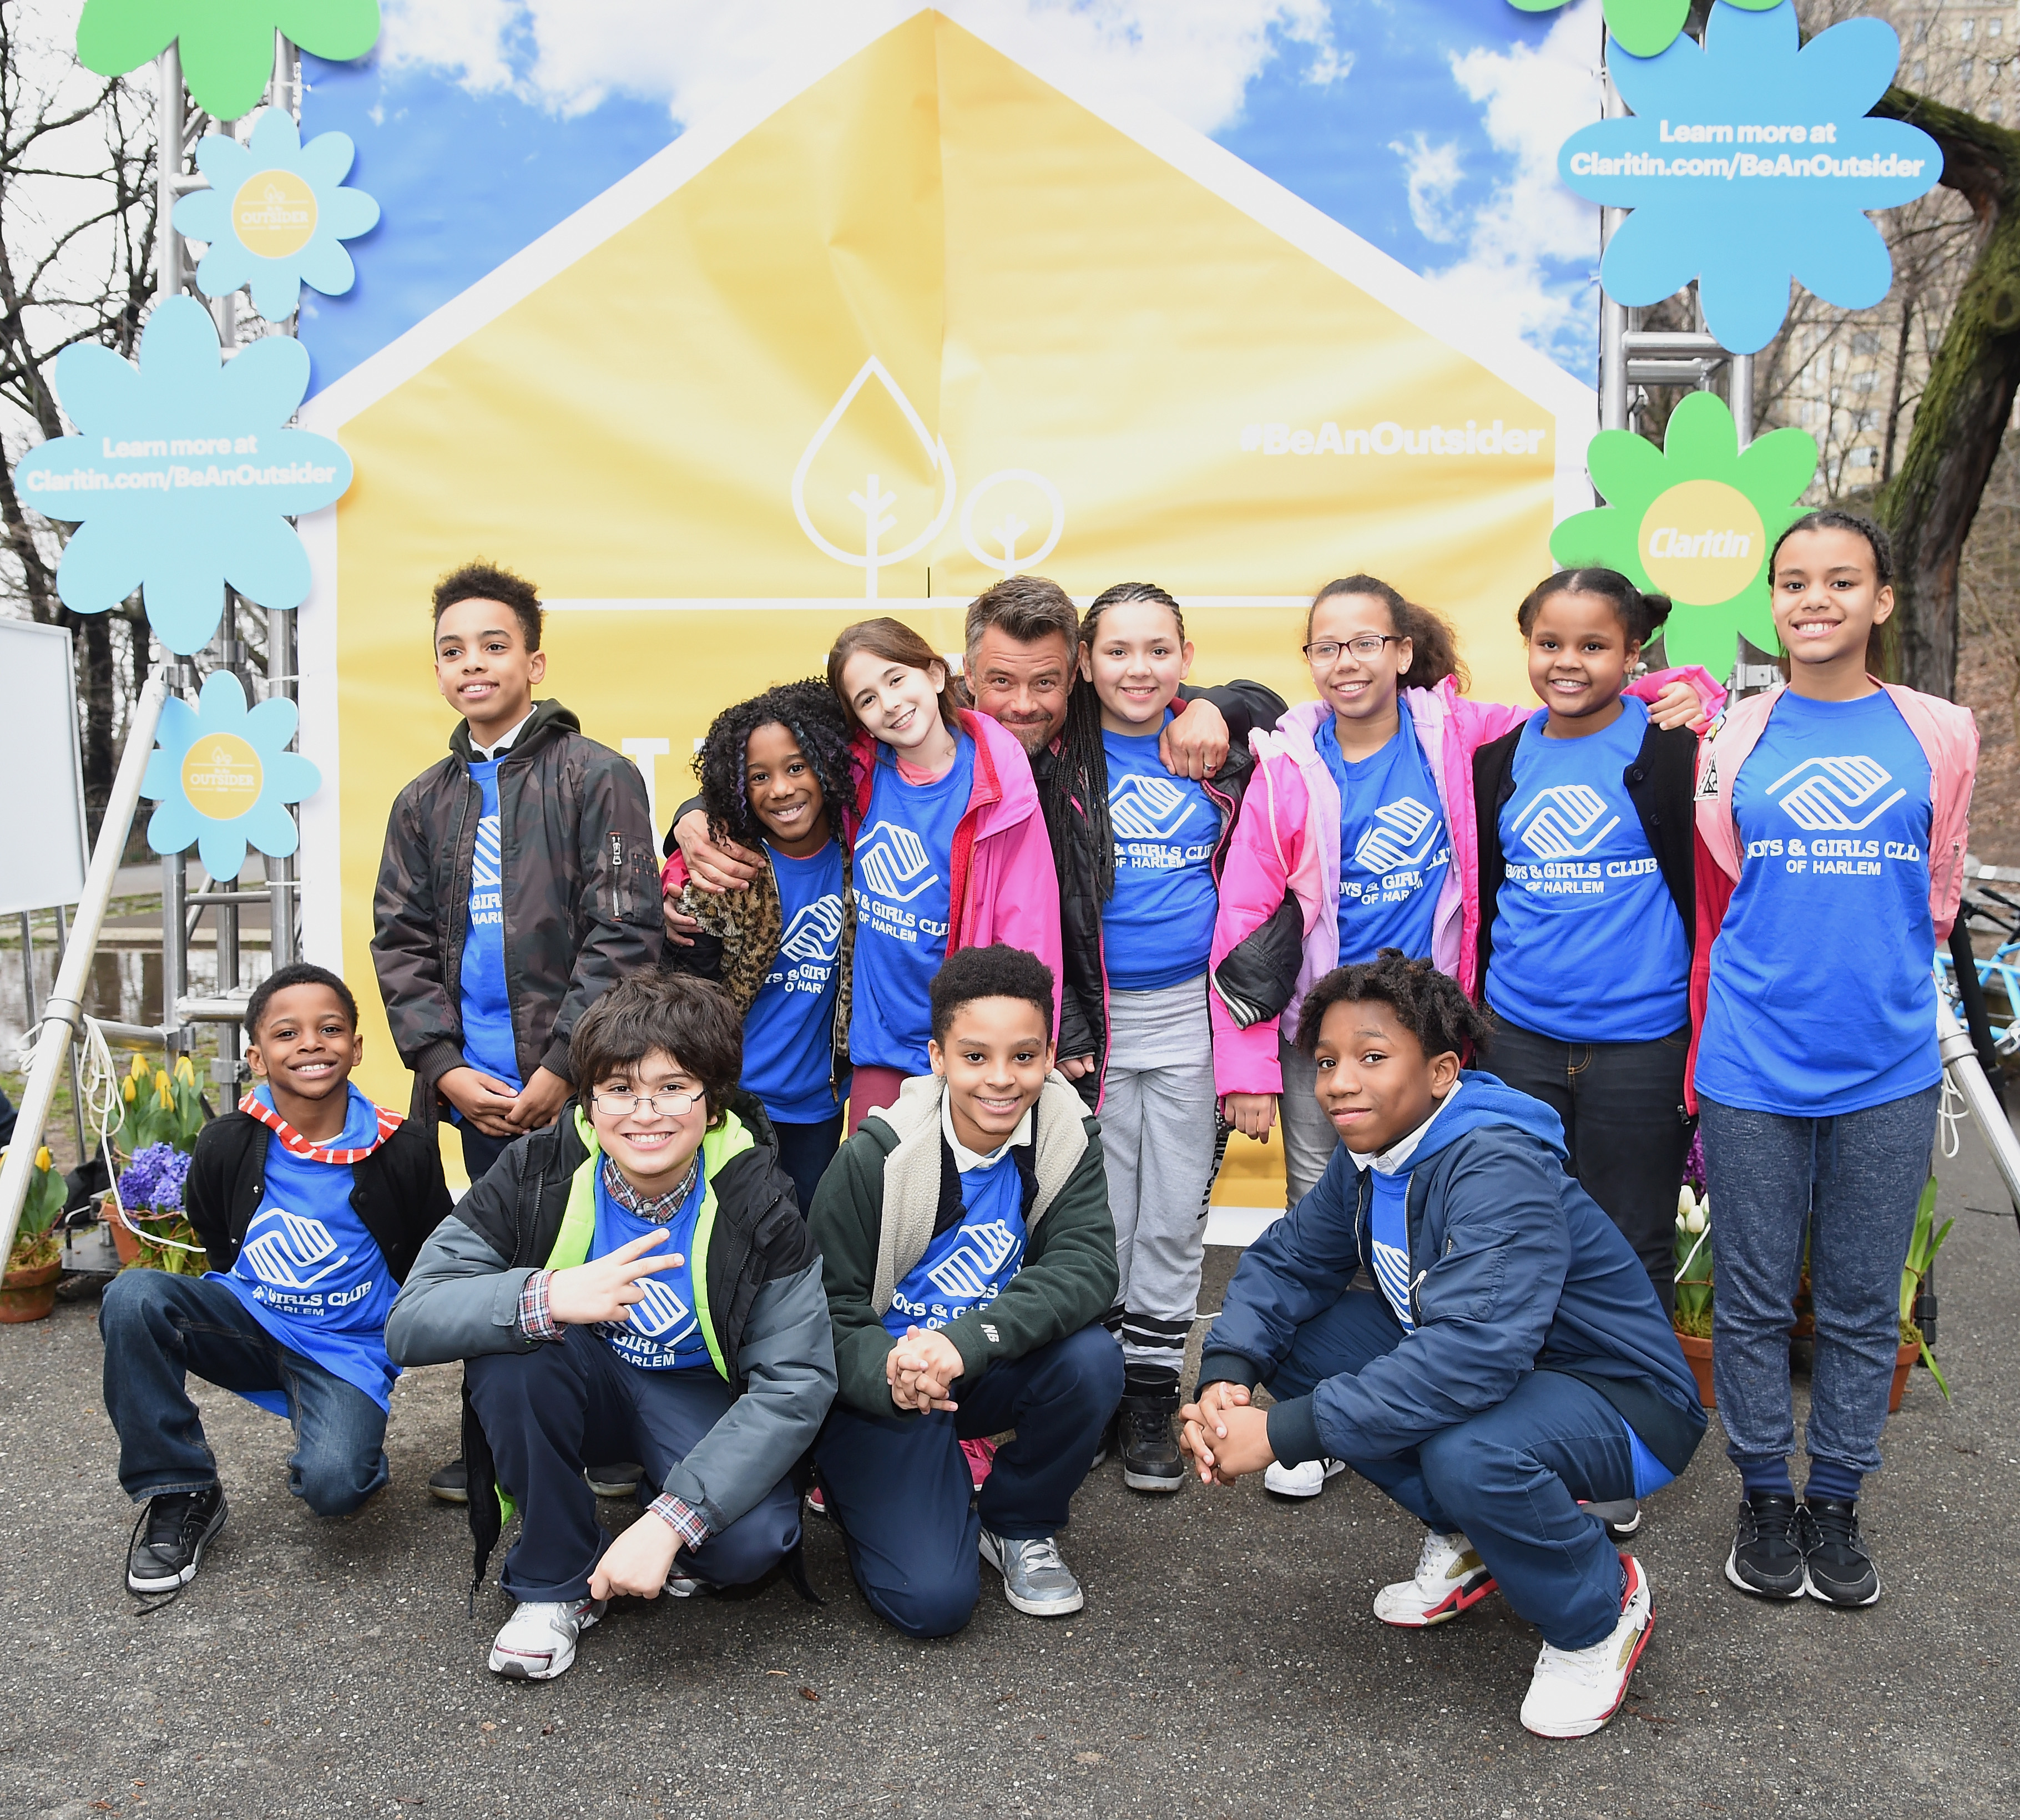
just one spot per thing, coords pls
(1288, 840)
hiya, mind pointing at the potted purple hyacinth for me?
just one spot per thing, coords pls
(149, 1225)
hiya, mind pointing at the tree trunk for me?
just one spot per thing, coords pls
(1928, 506)
(93, 632)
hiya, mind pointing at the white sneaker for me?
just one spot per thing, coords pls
(1575, 1691)
(1304, 1481)
(537, 1641)
(1451, 1577)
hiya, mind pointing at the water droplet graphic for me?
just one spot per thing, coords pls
(871, 500)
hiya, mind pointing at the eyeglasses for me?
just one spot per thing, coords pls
(1367, 648)
(668, 1105)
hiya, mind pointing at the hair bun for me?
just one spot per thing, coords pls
(1658, 608)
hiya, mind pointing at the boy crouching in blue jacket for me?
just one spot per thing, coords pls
(1511, 1361)
(635, 1280)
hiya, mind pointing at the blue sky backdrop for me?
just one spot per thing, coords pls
(1429, 127)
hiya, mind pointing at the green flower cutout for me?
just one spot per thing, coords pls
(1694, 520)
(227, 45)
(1644, 27)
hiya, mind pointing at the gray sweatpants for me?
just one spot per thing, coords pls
(1310, 1138)
(1161, 1141)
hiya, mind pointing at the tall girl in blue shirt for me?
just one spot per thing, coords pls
(1831, 816)
(1583, 814)
(1156, 842)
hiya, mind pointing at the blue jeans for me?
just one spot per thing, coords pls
(901, 1492)
(1625, 1126)
(1511, 1477)
(1851, 1184)
(548, 1412)
(159, 1328)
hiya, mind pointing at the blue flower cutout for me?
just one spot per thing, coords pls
(223, 774)
(1751, 160)
(184, 478)
(276, 214)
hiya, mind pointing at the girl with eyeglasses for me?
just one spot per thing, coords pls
(1358, 834)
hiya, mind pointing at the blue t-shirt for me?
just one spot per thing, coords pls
(1157, 929)
(1389, 1241)
(968, 1265)
(487, 1006)
(1393, 848)
(1822, 999)
(1587, 945)
(662, 1332)
(903, 888)
(789, 1031)
(308, 1272)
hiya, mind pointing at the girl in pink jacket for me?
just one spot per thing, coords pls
(951, 849)
(1358, 834)
(1831, 821)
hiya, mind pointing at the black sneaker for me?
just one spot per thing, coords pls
(1150, 1460)
(452, 1484)
(1836, 1567)
(1621, 1519)
(617, 1479)
(1767, 1559)
(169, 1540)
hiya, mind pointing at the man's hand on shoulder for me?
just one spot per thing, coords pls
(1194, 741)
(714, 869)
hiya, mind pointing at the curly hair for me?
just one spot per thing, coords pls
(996, 971)
(1430, 1004)
(809, 712)
(1435, 645)
(481, 580)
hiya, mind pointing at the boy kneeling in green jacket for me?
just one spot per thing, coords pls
(969, 1257)
(655, 1216)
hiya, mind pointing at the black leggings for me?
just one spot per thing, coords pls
(1622, 1105)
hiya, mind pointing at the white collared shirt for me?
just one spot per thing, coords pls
(964, 1159)
(486, 753)
(1387, 1162)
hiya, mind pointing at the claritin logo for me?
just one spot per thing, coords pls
(1562, 822)
(659, 1314)
(970, 1268)
(1148, 808)
(1820, 794)
(893, 861)
(1399, 826)
(283, 1249)
(814, 932)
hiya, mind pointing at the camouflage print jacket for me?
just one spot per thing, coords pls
(739, 938)
(581, 896)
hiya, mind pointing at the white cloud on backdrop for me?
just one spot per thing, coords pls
(1194, 57)
(1530, 99)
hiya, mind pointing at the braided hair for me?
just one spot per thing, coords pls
(1081, 775)
(810, 713)
(1431, 1005)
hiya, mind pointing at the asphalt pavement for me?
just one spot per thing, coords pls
(1226, 1662)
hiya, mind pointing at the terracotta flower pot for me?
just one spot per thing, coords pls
(1699, 1352)
(1904, 1363)
(29, 1295)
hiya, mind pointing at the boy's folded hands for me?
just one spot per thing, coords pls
(920, 1370)
(1224, 1435)
(605, 1288)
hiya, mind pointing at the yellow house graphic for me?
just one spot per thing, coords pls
(933, 318)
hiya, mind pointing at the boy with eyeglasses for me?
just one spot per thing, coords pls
(635, 1279)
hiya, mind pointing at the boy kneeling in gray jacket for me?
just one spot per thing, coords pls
(654, 1217)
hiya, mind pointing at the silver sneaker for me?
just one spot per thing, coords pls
(1035, 1580)
(537, 1641)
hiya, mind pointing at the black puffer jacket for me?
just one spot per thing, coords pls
(1247, 707)
(581, 892)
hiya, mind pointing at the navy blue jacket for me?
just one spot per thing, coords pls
(1513, 1269)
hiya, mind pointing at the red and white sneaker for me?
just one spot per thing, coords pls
(1575, 1691)
(981, 1456)
(1449, 1578)
(537, 1641)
